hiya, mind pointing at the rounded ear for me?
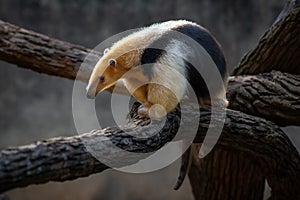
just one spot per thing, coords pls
(113, 62)
(105, 51)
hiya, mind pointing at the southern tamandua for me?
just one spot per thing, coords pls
(162, 58)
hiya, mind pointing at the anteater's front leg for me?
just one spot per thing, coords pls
(160, 101)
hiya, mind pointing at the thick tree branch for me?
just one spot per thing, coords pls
(228, 169)
(61, 159)
(278, 49)
(274, 96)
(288, 7)
(233, 175)
(38, 52)
(46, 55)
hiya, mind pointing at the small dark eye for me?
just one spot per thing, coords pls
(102, 79)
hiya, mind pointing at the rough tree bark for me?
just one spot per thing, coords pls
(63, 159)
(217, 174)
(274, 96)
(250, 150)
(43, 54)
(278, 49)
(232, 175)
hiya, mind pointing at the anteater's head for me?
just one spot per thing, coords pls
(109, 69)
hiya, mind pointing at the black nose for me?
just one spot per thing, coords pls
(90, 96)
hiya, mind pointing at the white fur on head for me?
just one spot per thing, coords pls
(138, 40)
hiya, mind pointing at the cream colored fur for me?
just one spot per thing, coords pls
(136, 41)
(170, 75)
(169, 83)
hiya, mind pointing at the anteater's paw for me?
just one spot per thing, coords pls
(220, 103)
(154, 112)
(143, 111)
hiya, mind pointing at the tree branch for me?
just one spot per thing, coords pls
(230, 170)
(61, 159)
(274, 96)
(43, 54)
(288, 7)
(278, 49)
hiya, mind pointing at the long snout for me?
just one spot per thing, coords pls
(90, 91)
(90, 95)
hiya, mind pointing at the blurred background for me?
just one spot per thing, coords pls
(36, 106)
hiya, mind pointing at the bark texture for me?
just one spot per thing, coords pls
(43, 54)
(227, 174)
(279, 48)
(274, 96)
(61, 159)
